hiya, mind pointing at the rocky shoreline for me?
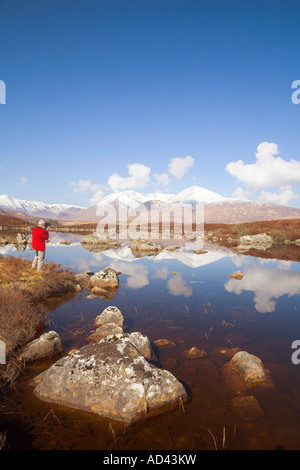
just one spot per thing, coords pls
(114, 375)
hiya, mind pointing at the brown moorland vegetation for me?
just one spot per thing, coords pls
(22, 310)
(282, 229)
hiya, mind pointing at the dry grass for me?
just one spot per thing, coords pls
(22, 291)
(16, 274)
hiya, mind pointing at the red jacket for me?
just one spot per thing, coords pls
(39, 235)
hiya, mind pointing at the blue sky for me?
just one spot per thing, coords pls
(148, 95)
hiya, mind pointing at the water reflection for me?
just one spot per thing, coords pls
(177, 286)
(267, 284)
(137, 274)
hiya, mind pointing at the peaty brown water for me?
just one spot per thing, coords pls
(191, 302)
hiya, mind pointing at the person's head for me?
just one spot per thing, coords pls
(41, 223)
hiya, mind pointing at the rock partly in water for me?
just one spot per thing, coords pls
(46, 346)
(142, 344)
(83, 279)
(173, 248)
(108, 329)
(21, 239)
(110, 315)
(237, 275)
(99, 239)
(105, 294)
(261, 241)
(245, 371)
(145, 245)
(107, 278)
(112, 379)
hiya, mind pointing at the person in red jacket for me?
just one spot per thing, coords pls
(39, 235)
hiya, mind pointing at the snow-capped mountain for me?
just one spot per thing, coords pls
(38, 209)
(217, 209)
(198, 195)
(193, 194)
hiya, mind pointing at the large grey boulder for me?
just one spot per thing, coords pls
(112, 379)
(46, 346)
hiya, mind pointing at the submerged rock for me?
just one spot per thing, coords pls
(195, 353)
(110, 378)
(46, 346)
(247, 408)
(245, 371)
(164, 342)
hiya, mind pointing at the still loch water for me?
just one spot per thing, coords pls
(190, 300)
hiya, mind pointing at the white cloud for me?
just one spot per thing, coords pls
(179, 166)
(83, 186)
(96, 197)
(162, 178)
(177, 286)
(23, 180)
(241, 193)
(269, 170)
(161, 274)
(137, 274)
(284, 195)
(267, 284)
(138, 177)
